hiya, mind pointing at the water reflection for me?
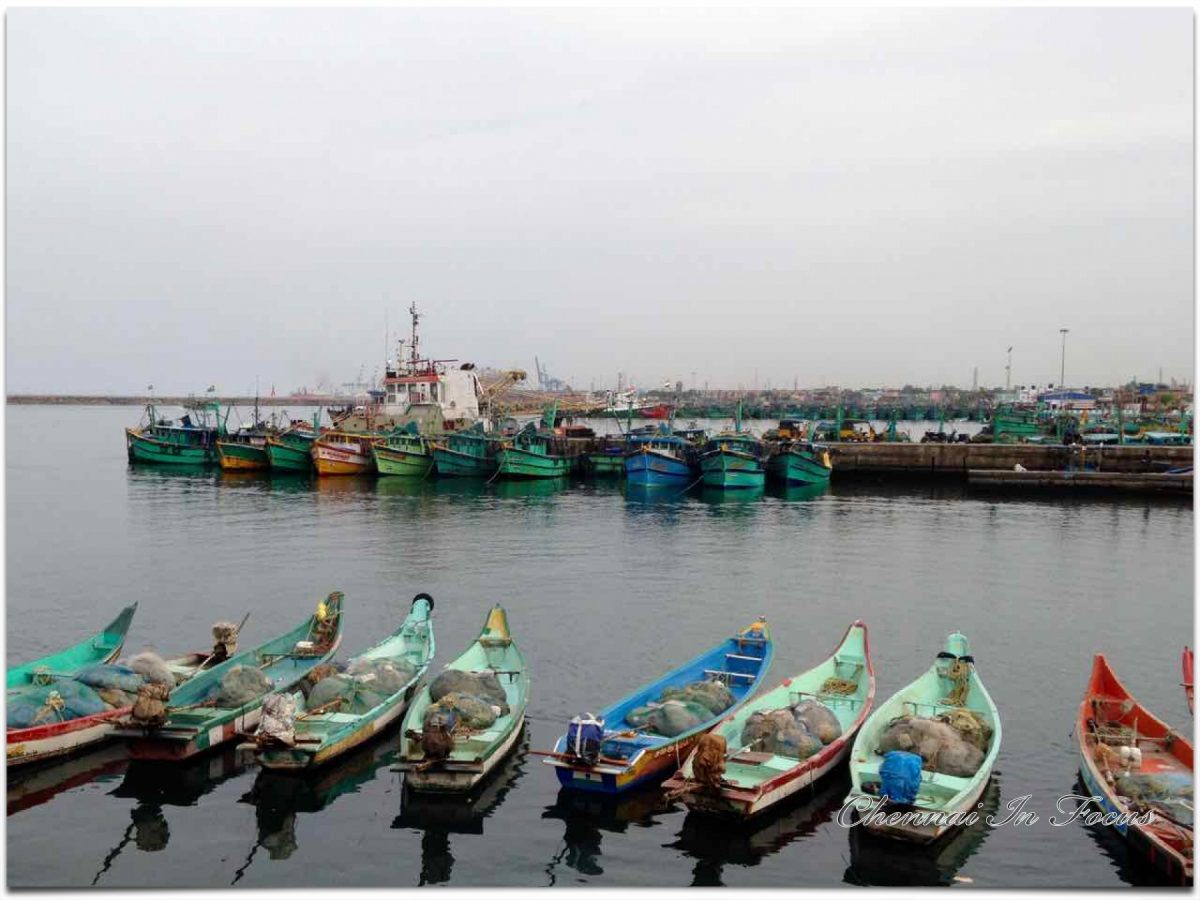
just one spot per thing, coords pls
(438, 817)
(278, 797)
(884, 862)
(717, 842)
(587, 816)
(30, 786)
(530, 488)
(799, 493)
(155, 785)
(1129, 867)
(739, 497)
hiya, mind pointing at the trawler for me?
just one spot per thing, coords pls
(435, 394)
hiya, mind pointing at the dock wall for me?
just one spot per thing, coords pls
(956, 460)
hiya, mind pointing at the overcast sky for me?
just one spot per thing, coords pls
(850, 197)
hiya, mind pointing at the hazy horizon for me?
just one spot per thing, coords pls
(853, 197)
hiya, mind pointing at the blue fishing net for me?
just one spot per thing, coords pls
(122, 678)
(59, 701)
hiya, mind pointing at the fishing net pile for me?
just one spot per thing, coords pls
(278, 720)
(359, 688)
(94, 689)
(241, 685)
(680, 709)
(797, 731)
(954, 743)
(1168, 794)
(470, 700)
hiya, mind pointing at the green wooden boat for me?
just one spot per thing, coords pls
(162, 442)
(469, 453)
(102, 647)
(291, 450)
(950, 687)
(534, 454)
(195, 724)
(755, 781)
(246, 455)
(797, 463)
(323, 735)
(474, 754)
(404, 452)
(733, 460)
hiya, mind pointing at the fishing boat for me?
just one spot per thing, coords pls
(291, 449)
(606, 458)
(629, 754)
(474, 753)
(755, 781)
(245, 450)
(60, 737)
(163, 442)
(469, 453)
(324, 733)
(1139, 771)
(659, 457)
(194, 723)
(537, 452)
(343, 453)
(405, 451)
(1188, 678)
(793, 460)
(949, 687)
(733, 460)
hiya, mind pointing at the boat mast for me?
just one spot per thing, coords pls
(415, 318)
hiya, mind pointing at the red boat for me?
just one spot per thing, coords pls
(659, 411)
(1188, 681)
(1139, 769)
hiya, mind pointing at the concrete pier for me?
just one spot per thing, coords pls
(957, 460)
(1092, 482)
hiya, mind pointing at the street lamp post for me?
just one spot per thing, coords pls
(1062, 372)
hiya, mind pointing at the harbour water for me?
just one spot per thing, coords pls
(605, 589)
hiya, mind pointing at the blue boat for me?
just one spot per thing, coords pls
(624, 755)
(659, 458)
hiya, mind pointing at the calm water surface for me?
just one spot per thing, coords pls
(605, 590)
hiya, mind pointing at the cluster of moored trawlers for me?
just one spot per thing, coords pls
(919, 762)
(651, 455)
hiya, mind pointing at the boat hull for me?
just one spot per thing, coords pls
(513, 462)
(390, 461)
(648, 467)
(459, 780)
(454, 464)
(654, 765)
(795, 467)
(328, 460)
(31, 745)
(154, 746)
(723, 469)
(605, 464)
(294, 759)
(242, 457)
(287, 458)
(148, 450)
(920, 834)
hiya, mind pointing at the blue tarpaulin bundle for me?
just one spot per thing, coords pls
(900, 776)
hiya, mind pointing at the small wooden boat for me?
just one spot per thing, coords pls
(606, 459)
(733, 460)
(27, 745)
(324, 734)
(474, 754)
(629, 756)
(61, 738)
(535, 454)
(1188, 678)
(1135, 766)
(792, 460)
(291, 449)
(468, 453)
(754, 782)
(659, 458)
(343, 453)
(246, 453)
(193, 721)
(165, 443)
(950, 686)
(403, 452)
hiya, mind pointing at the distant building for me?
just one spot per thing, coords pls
(1077, 400)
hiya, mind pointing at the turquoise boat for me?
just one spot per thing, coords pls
(755, 781)
(607, 459)
(733, 460)
(323, 734)
(404, 451)
(102, 647)
(291, 450)
(534, 453)
(469, 453)
(194, 723)
(161, 442)
(952, 691)
(474, 754)
(630, 750)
